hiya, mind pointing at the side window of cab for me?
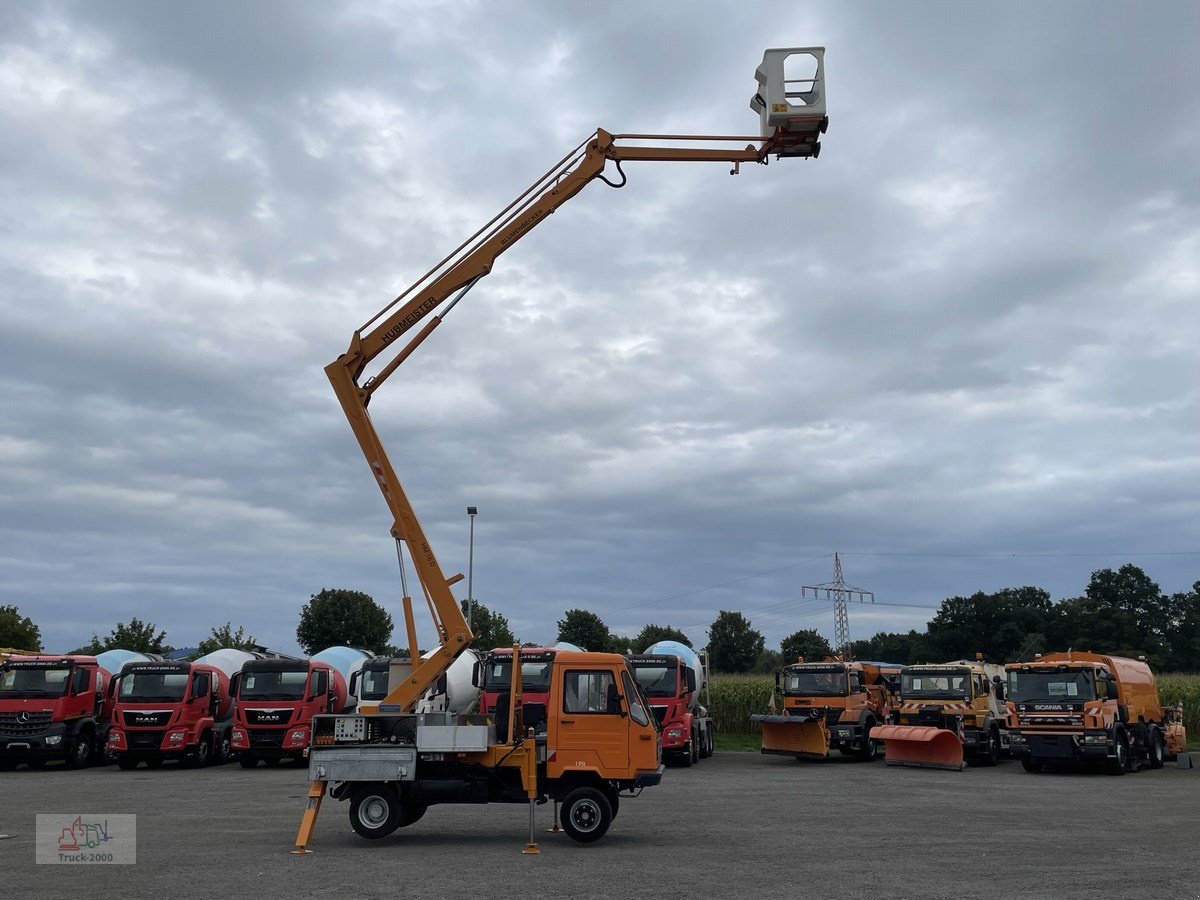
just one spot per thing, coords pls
(79, 680)
(590, 693)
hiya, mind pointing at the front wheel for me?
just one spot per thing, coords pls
(1158, 752)
(695, 747)
(202, 755)
(869, 751)
(223, 751)
(991, 753)
(375, 811)
(586, 815)
(81, 752)
(1118, 764)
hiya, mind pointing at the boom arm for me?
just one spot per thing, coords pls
(440, 289)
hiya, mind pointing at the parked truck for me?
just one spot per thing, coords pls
(168, 710)
(947, 715)
(276, 700)
(829, 705)
(673, 677)
(53, 707)
(1084, 707)
(600, 738)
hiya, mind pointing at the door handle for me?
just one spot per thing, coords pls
(566, 721)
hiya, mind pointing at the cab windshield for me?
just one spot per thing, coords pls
(1064, 686)
(535, 676)
(35, 681)
(936, 685)
(657, 679)
(373, 684)
(819, 683)
(273, 685)
(143, 687)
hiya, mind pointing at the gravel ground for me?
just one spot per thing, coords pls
(739, 823)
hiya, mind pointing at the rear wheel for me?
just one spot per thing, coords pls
(586, 815)
(375, 811)
(1158, 752)
(1031, 765)
(81, 752)
(1118, 764)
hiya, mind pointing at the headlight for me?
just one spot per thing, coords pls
(299, 735)
(1095, 739)
(53, 739)
(674, 732)
(177, 737)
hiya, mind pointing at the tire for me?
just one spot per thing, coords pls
(223, 751)
(411, 812)
(248, 760)
(1031, 765)
(374, 811)
(1119, 764)
(614, 801)
(869, 751)
(712, 740)
(695, 747)
(705, 742)
(685, 758)
(1158, 750)
(586, 815)
(127, 763)
(80, 755)
(991, 753)
(201, 757)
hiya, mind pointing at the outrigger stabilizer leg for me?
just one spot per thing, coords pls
(316, 793)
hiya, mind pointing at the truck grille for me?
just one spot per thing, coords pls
(145, 740)
(136, 719)
(34, 723)
(266, 738)
(268, 716)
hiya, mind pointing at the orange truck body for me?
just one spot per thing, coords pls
(829, 705)
(1084, 707)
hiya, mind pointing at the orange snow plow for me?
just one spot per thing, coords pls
(920, 746)
(793, 735)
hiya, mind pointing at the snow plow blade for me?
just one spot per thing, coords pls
(793, 736)
(920, 747)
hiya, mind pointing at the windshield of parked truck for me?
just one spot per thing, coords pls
(273, 685)
(1062, 686)
(373, 684)
(658, 679)
(535, 676)
(827, 681)
(20, 680)
(152, 687)
(942, 685)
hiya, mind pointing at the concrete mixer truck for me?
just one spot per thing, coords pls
(53, 707)
(493, 677)
(170, 709)
(673, 677)
(276, 700)
(454, 692)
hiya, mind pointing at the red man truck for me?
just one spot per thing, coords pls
(275, 701)
(171, 710)
(672, 676)
(52, 707)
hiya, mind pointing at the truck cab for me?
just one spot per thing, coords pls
(1083, 707)
(671, 689)
(275, 701)
(964, 697)
(53, 707)
(171, 710)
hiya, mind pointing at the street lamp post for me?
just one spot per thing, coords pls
(471, 512)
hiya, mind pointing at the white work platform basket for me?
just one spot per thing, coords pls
(791, 99)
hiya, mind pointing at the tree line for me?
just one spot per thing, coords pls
(1121, 611)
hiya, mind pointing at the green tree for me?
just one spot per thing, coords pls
(1122, 612)
(139, 636)
(224, 637)
(1184, 653)
(583, 628)
(733, 645)
(17, 631)
(768, 662)
(995, 624)
(652, 634)
(490, 628)
(895, 647)
(806, 642)
(336, 617)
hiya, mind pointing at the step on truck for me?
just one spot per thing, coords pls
(674, 677)
(275, 701)
(1084, 707)
(171, 710)
(600, 738)
(947, 716)
(829, 705)
(53, 708)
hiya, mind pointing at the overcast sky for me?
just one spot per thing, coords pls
(960, 348)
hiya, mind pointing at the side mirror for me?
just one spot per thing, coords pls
(235, 684)
(1114, 693)
(613, 704)
(776, 681)
(353, 682)
(690, 678)
(476, 672)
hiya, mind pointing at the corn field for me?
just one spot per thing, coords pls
(735, 697)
